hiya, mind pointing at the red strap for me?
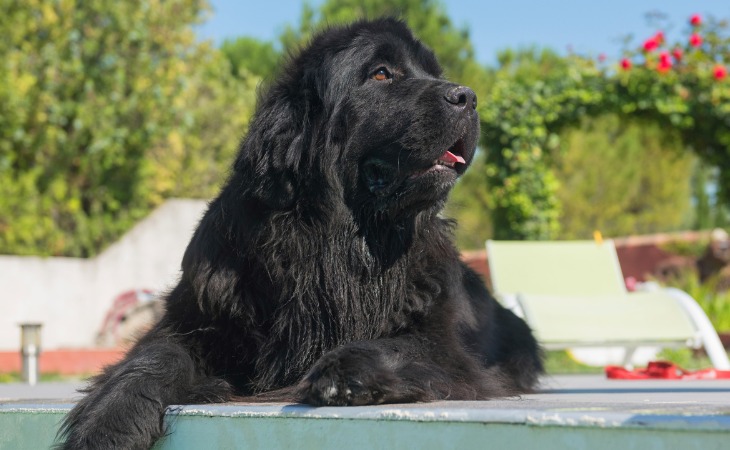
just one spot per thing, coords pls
(664, 370)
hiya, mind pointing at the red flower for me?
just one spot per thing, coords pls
(719, 72)
(601, 57)
(650, 44)
(659, 37)
(665, 62)
(695, 40)
(626, 63)
(677, 53)
(695, 20)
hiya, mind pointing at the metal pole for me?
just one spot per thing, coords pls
(30, 350)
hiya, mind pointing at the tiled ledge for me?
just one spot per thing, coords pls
(571, 413)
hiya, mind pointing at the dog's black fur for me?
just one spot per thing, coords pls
(323, 272)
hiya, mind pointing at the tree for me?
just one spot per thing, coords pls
(193, 158)
(250, 55)
(98, 101)
(622, 178)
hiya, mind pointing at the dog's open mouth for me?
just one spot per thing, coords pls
(453, 158)
(453, 155)
(380, 174)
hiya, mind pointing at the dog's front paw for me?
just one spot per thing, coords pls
(347, 376)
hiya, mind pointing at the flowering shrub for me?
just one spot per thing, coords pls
(663, 63)
(681, 84)
(720, 72)
(677, 53)
(695, 40)
(651, 44)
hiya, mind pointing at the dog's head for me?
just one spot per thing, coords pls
(365, 113)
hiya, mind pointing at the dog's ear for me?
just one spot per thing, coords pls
(274, 152)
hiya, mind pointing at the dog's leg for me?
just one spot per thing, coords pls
(399, 370)
(124, 407)
(521, 356)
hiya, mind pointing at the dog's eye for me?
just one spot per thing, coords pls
(381, 74)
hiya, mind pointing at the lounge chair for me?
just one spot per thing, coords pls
(572, 294)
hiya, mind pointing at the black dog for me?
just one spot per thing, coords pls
(323, 269)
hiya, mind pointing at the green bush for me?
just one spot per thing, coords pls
(715, 304)
(107, 108)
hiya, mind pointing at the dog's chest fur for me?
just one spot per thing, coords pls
(336, 287)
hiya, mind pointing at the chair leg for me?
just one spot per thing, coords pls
(708, 335)
(629, 356)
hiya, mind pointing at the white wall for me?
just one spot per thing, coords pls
(71, 296)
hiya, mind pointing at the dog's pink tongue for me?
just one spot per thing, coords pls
(450, 157)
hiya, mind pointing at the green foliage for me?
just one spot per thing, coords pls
(107, 108)
(248, 55)
(622, 178)
(520, 120)
(690, 249)
(535, 99)
(9, 377)
(560, 362)
(98, 101)
(16, 377)
(710, 212)
(194, 157)
(703, 210)
(685, 358)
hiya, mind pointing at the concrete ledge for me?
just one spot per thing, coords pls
(453, 426)
(571, 413)
(462, 426)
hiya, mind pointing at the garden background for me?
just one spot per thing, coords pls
(109, 108)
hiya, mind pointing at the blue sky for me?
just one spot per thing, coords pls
(586, 26)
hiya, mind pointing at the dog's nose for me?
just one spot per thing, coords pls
(461, 97)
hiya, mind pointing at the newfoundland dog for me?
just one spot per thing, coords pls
(323, 272)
